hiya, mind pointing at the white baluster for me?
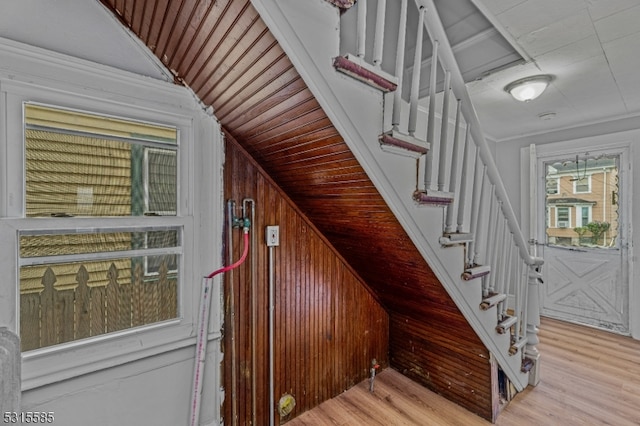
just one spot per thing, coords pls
(362, 28)
(478, 176)
(397, 95)
(431, 118)
(453, 177)
(481, 229)
(533, 322)
(415, 82)
(378, 41)
(462, 196)
(444, 131)
(509, 275)
(489, 249)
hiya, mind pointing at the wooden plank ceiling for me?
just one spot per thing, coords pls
(225, 53)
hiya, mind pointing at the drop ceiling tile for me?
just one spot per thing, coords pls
(558, 34)
(578, 51)
(602, 8)
(618, 25)
(499, 6)
(533, 15)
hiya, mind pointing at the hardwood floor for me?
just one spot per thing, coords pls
(589, 377)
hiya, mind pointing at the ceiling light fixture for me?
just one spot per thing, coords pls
(528, 88)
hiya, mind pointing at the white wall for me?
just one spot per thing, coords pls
(508, 158)
(152, 385)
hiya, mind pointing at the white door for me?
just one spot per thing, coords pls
(585, 272)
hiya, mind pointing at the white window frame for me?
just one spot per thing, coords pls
(147, 197)
(575, 185)
(557, 179)
(568, 216)
(579, 208)
(33, 75)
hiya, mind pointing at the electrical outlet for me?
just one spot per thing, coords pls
(273, 236)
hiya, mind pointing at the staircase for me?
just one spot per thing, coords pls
(432, 164)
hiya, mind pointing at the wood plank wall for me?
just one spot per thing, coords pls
(227, 55)
(328, 324)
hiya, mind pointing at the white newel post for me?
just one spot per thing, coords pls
(533, 322)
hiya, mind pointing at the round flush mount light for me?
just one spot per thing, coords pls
(528, 88)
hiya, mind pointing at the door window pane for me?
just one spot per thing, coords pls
(585, 203)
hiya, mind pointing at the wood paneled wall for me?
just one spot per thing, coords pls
(329, 326)
(226, 54)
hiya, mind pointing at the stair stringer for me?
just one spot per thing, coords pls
(308, 32)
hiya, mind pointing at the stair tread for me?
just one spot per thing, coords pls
(475, 271)
(455, 238)
(403, 144)
(492, 300)
(430, 196)
(366, 73)
(506, 323)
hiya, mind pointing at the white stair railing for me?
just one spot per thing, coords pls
(496, 251)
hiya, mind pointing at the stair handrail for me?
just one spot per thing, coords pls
(436, 31)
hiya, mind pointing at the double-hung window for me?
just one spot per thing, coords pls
(78, 282)
(96, 220)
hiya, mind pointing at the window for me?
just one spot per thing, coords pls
(563, 217)
(583, 215)
(80, 282)
(552, 186)
(582, 185)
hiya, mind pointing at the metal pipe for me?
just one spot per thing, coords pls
(231, 208)
(272, 402)
(254, 310)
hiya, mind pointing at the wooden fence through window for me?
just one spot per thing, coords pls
(54, 316)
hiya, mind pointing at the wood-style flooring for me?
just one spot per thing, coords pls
(588, 377)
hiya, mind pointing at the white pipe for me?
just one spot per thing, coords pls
(397, 95)
(378, 40)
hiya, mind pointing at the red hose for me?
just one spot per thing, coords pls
(238, 263)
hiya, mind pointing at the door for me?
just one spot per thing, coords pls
(585, 252)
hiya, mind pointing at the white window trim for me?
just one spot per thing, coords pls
(579, 208)
(36, 75)
(569, 217)
(575, 184)
(557, 179)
